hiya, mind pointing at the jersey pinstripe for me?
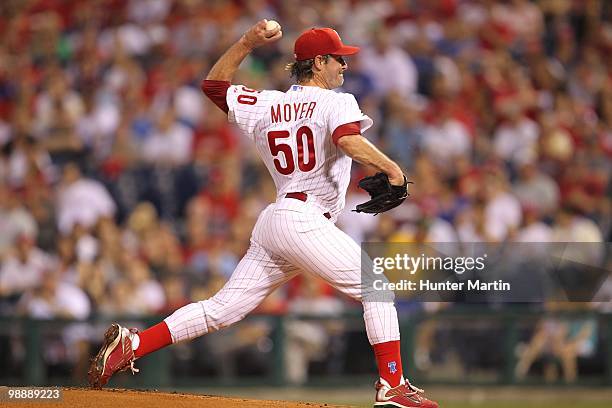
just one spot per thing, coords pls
(293, 131)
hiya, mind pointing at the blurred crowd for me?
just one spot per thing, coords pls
(124, 191)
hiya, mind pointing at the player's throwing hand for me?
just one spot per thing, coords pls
(261, 34)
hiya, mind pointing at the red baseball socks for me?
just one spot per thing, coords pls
(152, 339)
(389, 362)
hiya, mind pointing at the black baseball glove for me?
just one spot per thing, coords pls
(384, 196)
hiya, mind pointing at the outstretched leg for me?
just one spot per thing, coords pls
(313, 243)
(257, 274)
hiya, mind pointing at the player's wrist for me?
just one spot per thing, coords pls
(246, 43)
(396, 179)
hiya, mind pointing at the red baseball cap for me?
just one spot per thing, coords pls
(320, 41)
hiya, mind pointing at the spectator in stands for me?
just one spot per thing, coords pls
(120, 300)
(99, 122)
(15, 220)
(570, 226)
(183, 98)
(502, 211)
(54, 298)
(174, 293)
(445, 138)
(384, 52)
(154, 240)
(405, 130)
(471, 225)
(57, 111)
(169, 144)
(147, 290)
(562, 340)
(536, 190)
(81, 200)
(516, 139)
(23, 268)
(26, 160)
(533, 229)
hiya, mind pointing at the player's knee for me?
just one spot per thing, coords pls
(221, 313)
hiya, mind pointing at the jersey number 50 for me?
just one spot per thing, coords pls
(304, 162)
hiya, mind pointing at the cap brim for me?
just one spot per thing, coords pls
(347, 50)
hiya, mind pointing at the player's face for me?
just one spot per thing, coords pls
(333, 71)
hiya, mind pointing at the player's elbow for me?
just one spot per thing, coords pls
(348, 141)
(350, 144)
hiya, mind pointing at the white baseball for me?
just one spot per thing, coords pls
(271, 25)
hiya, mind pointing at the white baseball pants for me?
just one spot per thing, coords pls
(290, 236)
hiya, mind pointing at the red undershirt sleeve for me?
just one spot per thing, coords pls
(216, 92)
(345, 130)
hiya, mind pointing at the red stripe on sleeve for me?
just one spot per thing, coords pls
(346, 130)
(216, 92)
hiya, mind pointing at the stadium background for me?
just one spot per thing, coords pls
(125, 194)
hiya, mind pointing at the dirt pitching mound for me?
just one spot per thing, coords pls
(119, 398)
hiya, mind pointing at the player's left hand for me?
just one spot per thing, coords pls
(384, 195)
(257, 35)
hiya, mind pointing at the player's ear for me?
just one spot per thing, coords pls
(318, 62)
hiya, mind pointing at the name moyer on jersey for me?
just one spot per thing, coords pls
(295, 111)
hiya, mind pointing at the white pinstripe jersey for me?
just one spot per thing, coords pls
(293, 134)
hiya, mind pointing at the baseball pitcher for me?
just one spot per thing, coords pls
(307, 137)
